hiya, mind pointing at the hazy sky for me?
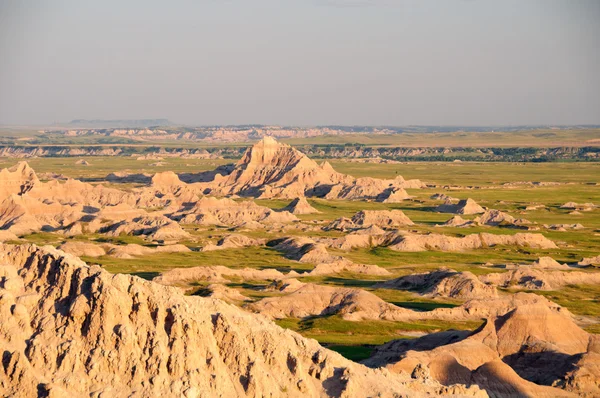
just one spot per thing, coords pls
(394, 62)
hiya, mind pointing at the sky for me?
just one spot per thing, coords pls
(301, 62)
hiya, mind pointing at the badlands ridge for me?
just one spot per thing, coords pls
(70, 328)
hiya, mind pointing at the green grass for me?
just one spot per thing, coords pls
(101, 166)
(254, 257)
(335, 330)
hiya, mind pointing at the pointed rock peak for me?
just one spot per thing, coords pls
(17, 180)
(23, 169)
(326, 166)
(268, 140)
(300, 206)
(269, 151)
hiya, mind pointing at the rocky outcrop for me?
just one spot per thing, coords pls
(587, 261)
(457, 221)
(465, 206)
(218, 274)
(81, 249)
(417, 242)
(233, 241)
(214, 211)
(318, 300)
(17, 180)
(307, 250)
(69, 329)
(579, 206)
(353, 304)
(133, 250)
(523, 352)
(393, 195)
(222, 292)
(443, 283)
(529, 278)
(300, 206)
(270, 169)
(371, 218)
(155, 227)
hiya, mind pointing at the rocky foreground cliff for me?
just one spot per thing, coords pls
(69, 329)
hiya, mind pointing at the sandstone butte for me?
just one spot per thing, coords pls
(271, 169)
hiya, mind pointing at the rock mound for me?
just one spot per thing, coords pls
(393, 195)
(443, 283)
(234, 241)
(444, 197)
(133, 250)
(381, 218)
(344, 265)
(371, 218)
(214, 211)
(305, 250)
(222, 292)
(523, 352)
(548, 263)
(417, 242)
(166, 179)
(300, 206)
(317, 300)
(80, 249)
(529, 278)
(464, 206)
(217, 274)
(457, 221)
(589, 261)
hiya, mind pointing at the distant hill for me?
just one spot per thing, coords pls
(119, 123)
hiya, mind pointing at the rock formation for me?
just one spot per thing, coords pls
(69, 329)
(417, 242)
(309, 299)
(17, 180)
(540, 279)
(214, 211)
(270, 169)
(521, 353)
(443, 283)
(457, 221)
(465, 206)
(393, 195)
(371, 218)
(300, 206)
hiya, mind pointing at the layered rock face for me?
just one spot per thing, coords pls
(272, 169)
(69, 329)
